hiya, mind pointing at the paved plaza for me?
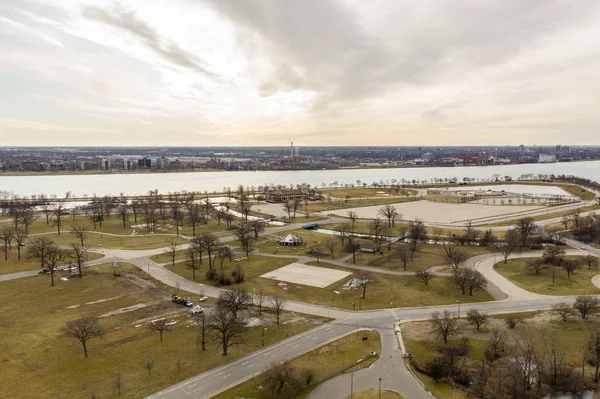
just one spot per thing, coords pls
(313, 276)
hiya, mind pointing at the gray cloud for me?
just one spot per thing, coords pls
(128, 21)
(322, 45)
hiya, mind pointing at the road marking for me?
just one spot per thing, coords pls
(228, 375)
(222, 372)
(295, 346)
(246, 362)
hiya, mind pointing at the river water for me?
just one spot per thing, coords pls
(141, 183)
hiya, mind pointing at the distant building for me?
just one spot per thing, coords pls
(547, 158)
(144, 163)
(162, 163)
(130, 164)
(283, 195)
(296, 151)
(105, 164)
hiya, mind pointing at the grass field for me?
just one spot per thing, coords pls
(12, 265)
(427, 255)
(364, 192)
(269, 244)
(114, 225)
(94, 240)
(579, 284)
(326, 362)
(39, 362)
(546, 216)
(253, 267)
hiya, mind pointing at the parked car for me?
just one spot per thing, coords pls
(203, 299)
(44, 271)
(197, 310)
(182, 301)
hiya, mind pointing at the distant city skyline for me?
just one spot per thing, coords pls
(316, 72)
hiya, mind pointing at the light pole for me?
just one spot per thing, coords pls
(458, 303)
(263, 335)
(352, 384)
(353, 305)
(379, 387)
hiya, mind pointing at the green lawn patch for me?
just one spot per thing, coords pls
(579, 284)
(13, 265)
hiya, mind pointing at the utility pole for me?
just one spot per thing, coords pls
(379, 387)
(352, 384)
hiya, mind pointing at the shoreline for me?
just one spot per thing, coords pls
(146, 172)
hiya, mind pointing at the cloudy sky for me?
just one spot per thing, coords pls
(318, 72)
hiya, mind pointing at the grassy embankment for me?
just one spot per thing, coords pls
(326, 362)
(39, 362)
(366, 192)
(540, 218)
(580, 282)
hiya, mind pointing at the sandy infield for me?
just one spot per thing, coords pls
(439, 212)
(306, 275)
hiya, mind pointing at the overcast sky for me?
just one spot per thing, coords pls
(316, 72)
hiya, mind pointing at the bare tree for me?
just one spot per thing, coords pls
(124, 212)
(244, 235)
(416, 233)
(278, 303)
(525, 229)
(38, 249)
(353, 216)
(455, 256)
(224, 252)
(476, 318)
(363, 280)
(497, 342)
(443, 325)
(280, 381)
(509, 245)
(202, 324)
(79, 230)
(83, 330)
(342, 232)
(78, 256)
(287, 206)
(512, 321)
(390, 213)
(403, 255)
(6, 235)
(352, 246)
(257, 226)
(586, 305)
(376, 230)
(27, 217)
(195, 217)
(225, 328)
(553, 271)
(54, 256)
(475, 281)
(160, 326)
(118, 383)
(563, 310)
(259, 301)
(20, 239)
(331, 244)
(296, 205)
(234, 301)
(424, 276)
(570, 265)
(594, 351)
(57, 211)
(591, 261)
(149, 365)
(172, 248)
(193, 260)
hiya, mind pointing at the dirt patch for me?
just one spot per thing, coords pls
(123, 310)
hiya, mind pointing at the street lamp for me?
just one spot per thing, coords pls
(379, 387)
(353, 305)
(263, 335)
(458, 303)
(352, 383)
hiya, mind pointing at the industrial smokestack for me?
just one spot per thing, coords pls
(292, 149)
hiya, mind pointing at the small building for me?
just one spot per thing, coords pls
(368, 247)
(290, 241)
(284, 195)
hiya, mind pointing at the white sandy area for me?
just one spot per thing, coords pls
(439, 212)
(313, 276)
